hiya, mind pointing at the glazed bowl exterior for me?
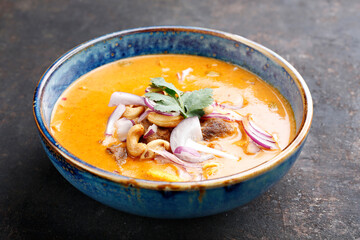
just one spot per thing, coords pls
(166, 199)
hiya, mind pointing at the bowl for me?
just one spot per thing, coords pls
(172, 199)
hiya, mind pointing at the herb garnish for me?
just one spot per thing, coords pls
(189, 104)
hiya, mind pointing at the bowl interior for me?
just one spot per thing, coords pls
(194, 41)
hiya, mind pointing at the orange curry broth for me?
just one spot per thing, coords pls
(81, 113)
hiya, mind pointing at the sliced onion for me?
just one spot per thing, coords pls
(191, 155)
(182, 149)
(206, 149)
(151, 104)
(187, 173)
(125, 99)
(123, 126)
(187, 133)
(217, 115)
(237, 105)
(144, 115)
(259, 130)
(151, 130)
(259, 138)
(116, 114)
(229, 116)
(187, 128)
(174, 159)
(233, 107)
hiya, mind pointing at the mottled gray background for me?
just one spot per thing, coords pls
(318, 199)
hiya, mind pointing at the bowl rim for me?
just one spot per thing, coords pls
(178, 186)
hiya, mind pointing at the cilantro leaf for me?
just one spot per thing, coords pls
(196, 101)
(164, 103)
(195, 112)
(189, 104)
(169, 88)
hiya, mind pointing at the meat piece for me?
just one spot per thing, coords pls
(162, 132)
(118, 152)
(146, 124)
(215, 127)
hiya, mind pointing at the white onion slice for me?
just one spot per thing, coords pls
(116, 114)
(151, 130)
(123, 126)
(125, 99)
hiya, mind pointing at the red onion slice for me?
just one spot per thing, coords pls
(258, 129)
(189, 154)
(123, 126)
(175, 159)
(151, 130)
(125, 99)
(233, 107)
(217, 115)
(226, 116)
(253, 132)
(187, 128)
(261, 140)
(116, 114)
(187, 133)
(144, 115)
(206, 149)
(182, 149)
(239, 102)
(150, 104)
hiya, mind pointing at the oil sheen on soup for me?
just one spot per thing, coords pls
(220, 118)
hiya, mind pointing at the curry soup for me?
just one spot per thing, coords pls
(80, 117)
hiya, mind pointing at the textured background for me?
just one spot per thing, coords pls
(319, 198)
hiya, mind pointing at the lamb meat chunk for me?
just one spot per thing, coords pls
(162, 133)
(146, 124)
(215, 127)
(118, 152)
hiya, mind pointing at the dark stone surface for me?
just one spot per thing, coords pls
(318, 199)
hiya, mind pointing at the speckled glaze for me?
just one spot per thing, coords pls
(165, 199)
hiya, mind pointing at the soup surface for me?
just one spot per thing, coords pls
(81, 114)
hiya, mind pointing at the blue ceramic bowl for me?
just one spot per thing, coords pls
(167, 199)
